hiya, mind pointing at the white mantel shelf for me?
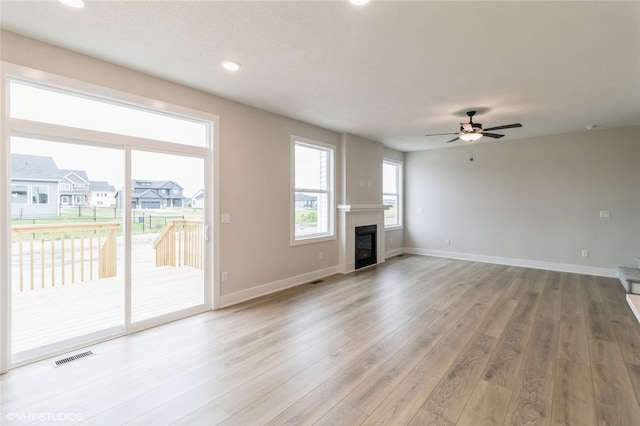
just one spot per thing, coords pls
(363, 207)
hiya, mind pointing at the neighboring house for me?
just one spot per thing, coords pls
(153, 194)
(34, 186)
(304, 201)
(197, 201)
(74, 188)
(102, 194)
(40, 188)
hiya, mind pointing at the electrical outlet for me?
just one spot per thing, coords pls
(225, 277)
(321, 256)
(605, 214)
(585, 253)
(447, 242)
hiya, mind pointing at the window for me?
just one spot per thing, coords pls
(313, 193)
(392, 192)
(39, 194)
(19, 194)
(65, 186)
(66, 108)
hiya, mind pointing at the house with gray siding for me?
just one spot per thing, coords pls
(153, 194)
(34, 186)
(75, 188)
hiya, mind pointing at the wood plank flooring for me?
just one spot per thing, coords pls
(414, 341)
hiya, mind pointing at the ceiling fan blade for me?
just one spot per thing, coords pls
(467, 126)
(440, 134)
(453, 140)
(506, 126)
(492, 135)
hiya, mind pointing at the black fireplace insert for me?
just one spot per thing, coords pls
(365, 246)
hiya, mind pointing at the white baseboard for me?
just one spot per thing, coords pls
(394, 252)
(525, 263)
(268, 288)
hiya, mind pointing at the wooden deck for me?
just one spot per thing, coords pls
(45, 316)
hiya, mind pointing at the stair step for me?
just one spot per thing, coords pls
(634, 302)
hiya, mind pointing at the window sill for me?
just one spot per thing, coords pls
(312, 240)
(393, 228)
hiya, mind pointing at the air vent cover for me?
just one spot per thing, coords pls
(72, 358)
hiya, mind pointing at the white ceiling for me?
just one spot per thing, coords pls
(390, 71)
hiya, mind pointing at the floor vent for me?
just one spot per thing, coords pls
(316, 282)
(72, 358)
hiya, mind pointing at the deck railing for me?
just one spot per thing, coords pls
(57, 254)
(180, 244)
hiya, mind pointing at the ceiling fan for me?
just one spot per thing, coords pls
(471, 131)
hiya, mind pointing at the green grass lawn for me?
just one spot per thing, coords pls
(142, 221)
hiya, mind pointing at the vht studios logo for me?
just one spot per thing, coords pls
(23, 417)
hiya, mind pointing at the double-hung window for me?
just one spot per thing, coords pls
(392, 193)
(312, 215)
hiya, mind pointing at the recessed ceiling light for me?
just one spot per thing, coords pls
(358, 2)
(73, 3)
(231, 65)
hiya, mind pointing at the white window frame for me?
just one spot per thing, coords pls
(65, 186)
(398, 193)
(330, 191)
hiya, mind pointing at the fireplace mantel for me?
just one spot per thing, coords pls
(351, 216)
(363, 207)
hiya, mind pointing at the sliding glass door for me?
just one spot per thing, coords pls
(110, 209)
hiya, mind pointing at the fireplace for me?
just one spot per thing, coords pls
(365, 246)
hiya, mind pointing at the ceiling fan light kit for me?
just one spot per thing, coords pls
(470, 137)
(470, 132)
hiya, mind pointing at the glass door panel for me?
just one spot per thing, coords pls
(167, 234)
(67, 247)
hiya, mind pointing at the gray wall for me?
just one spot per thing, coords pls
(535, 199)
(361, 170)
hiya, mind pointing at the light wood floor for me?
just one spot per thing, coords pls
(415, 341)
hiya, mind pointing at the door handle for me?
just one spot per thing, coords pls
(205, 232)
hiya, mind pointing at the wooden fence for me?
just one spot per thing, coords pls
(180, 244)
(57, 254)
